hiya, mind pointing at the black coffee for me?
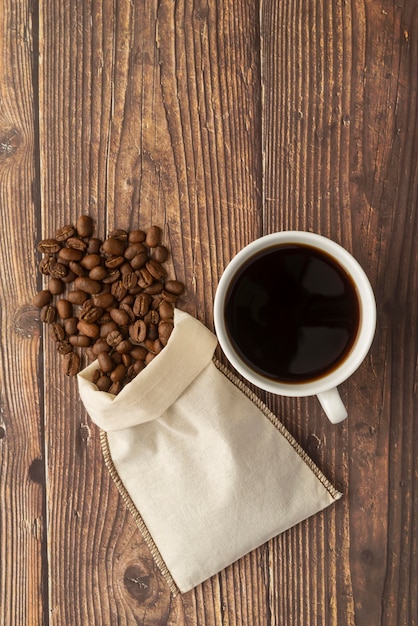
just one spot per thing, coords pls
(292, 313)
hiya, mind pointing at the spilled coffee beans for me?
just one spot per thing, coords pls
(112, 299)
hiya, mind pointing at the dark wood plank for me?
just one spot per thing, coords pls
(23, 572)
(340, 121)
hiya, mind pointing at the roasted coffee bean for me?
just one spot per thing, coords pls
(118, 373)
(105, 362)
(166, 310)
(136, 236)
(156, 269)
(71, 364)
(98, 273)
(89, 261)
(90, 312)
(42, 298)
(77, 296)
(138, 331)
(107, 328)
(70, 254)
(152, 317)
(168, 296)
(130, 280)
(48, 314)
(136, 368)
(152, 331)
(90, 330)
(174, 286)
(80, 341)
(56, 286)
(84, 226)
(139, 260)
(103, 383)
(101, 345)
(160, 254)
(154, 289)
(120, 234)
(118, 290)
(64, 308)
(70, 325)
(77, 268)
(114, 262)
(104, 300)
(87, 284)
(153, 237)
(58, 270)
(64, 347)
(124, 306)
(94, 245)
(150, 356)
(142, 304)
(49, 246)
(124, 346)
(114, 337)
(111, 276)
(69, 277)
(139, 353)
(115, 387)
(57, 332)
(65, 232)
(144, 278)
(47, 264)
(120, 317)
(113, 247)
(165, 328)
(77, 244)
(133, 249)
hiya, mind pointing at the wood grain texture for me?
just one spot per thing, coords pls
(220, 121)
(23, 571)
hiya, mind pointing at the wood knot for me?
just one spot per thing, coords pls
(37, 471)
(140, 582)
(10, 140)
(26, 321)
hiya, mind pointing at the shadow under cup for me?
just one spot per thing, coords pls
(295, 313)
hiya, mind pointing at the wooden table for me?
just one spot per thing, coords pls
(220, 121)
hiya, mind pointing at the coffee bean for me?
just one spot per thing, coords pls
(118, 373)
(90, 330)
(120, 317)
(70, 254)
(104, 383)
(84, 226)
(64, 308)
(87, 284)
(58, 270)
(114, 337)
(90, 312)
(174, 286)
(64, 347)
(94, 245)
(165, 328)
(49, 246)
(42, 298)
(105, 362)
(48, 314)
(56, 286)
(104, 300)
(156, 270)
(89, 261)
(153, 237)
(80, 341)
(113, 247)
(77, 244)
(138, 331)
(71, 364)
(142, 304)
(70, 325)
(57, 332)
(77, 296)
(136, 236)
(65, 232)
(160, 254)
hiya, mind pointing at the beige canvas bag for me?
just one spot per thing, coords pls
(208, 472)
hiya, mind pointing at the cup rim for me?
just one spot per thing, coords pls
(366, 300)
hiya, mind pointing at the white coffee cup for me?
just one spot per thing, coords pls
(325, 386)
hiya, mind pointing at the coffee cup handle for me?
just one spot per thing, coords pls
(333, 406)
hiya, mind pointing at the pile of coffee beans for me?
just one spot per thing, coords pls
(111, 299)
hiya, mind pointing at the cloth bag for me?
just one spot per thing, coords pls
(208, 472)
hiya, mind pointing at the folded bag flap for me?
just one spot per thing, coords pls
(188, 351)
